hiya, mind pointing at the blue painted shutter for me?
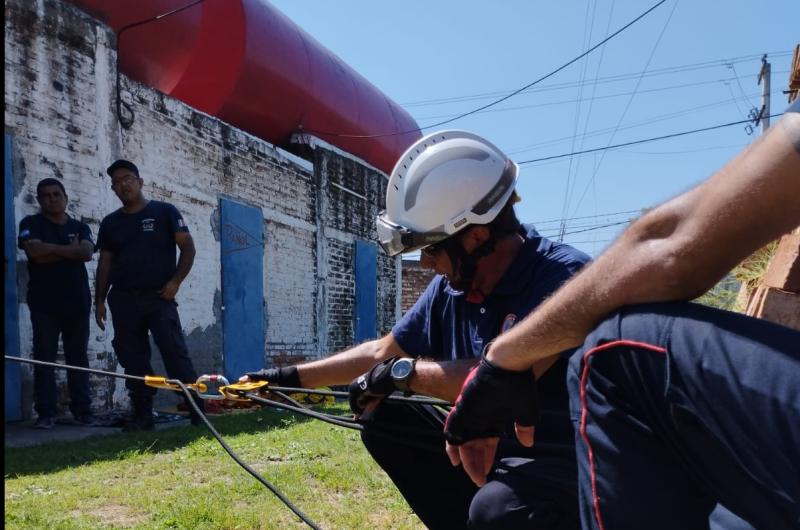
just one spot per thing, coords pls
(366, 295)
(242, 242)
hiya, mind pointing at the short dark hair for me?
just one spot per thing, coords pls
(122, 164)
(49, 182)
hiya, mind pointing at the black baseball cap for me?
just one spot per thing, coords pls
(122, 164)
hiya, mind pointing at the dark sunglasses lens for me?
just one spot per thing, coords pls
(431, 250)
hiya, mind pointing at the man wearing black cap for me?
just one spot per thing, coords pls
(137, 258)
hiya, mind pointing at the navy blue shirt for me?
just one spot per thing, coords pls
(142, 246)
(443, 325)
(60, 287)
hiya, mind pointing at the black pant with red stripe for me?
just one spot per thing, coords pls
(678, 408)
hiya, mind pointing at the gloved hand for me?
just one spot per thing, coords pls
(283, 376)
(372, 386)
(490, 398)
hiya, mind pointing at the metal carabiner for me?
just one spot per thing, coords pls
(212, 390)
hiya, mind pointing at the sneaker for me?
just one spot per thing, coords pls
(86, 419)
(44, 422)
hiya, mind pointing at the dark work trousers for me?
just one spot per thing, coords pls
(531, 488)
(74, 332)
(133, 315)
(678, 407)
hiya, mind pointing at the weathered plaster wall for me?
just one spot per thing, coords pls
(60, 110)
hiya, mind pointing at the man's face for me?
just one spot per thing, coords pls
(126, 185)
(52, 200)
(438, 260)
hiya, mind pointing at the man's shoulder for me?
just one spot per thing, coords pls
(116, 214)
(76, 223)
(438, 286)
(161, 206)
(564, 252)
(553, 250)
(32, 219)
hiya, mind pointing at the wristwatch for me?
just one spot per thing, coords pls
(401, 372)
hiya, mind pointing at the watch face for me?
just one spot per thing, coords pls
(402, 369)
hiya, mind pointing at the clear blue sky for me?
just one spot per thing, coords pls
(700, 61)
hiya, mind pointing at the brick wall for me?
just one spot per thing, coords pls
(415, 280)
(59, 96)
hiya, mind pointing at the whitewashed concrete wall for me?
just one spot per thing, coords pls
(60, 110)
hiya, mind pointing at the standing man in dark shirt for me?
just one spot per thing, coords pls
(58, 297)
(138, 261)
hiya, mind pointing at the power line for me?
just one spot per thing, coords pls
(625, 110)
(712, 148)
(632, 125)
(605, 96)
(601, 80)
(589, 216)
(597, 227)
(587, 36)
(673, 135)
(500, 100)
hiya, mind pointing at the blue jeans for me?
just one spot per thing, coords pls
(74, 332)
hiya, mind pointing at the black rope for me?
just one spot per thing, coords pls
(420, 400)
(77, 368)
(380, 431)
(199, 413)
(238, 460)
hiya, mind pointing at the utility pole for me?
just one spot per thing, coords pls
(764, 75)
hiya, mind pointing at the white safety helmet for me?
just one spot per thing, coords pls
(443, 183)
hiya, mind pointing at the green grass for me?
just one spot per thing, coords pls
(182, 478)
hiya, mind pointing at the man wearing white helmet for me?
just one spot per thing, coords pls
(451, 196)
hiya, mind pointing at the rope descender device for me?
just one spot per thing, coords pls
(213, 387)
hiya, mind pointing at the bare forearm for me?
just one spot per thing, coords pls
(343, 367)
(441, 380)
(675, 252)
(40, 252)
(185, 262)
(646, 264)
(101, 280)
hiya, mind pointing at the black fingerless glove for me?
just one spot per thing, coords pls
(375, 384)
(491, 398)
(283, 376)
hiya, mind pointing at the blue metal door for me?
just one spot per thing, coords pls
(13, 390)
(242, 241)
(366, 302)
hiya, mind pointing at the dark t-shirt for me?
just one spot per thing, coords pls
(60, 287)
(142, 246)
(443, 325)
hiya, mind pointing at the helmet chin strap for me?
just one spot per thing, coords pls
(467, 264)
